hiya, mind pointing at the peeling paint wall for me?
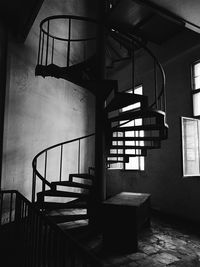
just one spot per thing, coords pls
(42, 112)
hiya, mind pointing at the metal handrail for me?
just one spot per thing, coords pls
(36, 173)
(162, 92)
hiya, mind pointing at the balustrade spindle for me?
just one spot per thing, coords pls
(155, 84)
(42, 53)
(38, 59)
(79, 155)
(61, 160)
(34, 182)
(45, 172)
(68, 46)
(47, 43)
(52, 51)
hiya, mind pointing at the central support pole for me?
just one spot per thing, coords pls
(100, 120)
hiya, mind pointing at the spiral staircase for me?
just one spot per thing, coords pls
(66, 200)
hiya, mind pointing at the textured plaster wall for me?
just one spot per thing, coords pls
(42, 112)
(163, 168)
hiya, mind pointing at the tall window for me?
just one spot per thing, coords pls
(191, 129)
(135, 163)
(190, 146)
(196, 88)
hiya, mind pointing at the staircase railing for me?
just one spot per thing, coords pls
(39, 241)
(42, 175)
(50, 41)
(159, 101)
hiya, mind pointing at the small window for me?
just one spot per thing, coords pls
(190, 146)
(196, 88)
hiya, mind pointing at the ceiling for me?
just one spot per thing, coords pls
(188, 10)
(19, 15)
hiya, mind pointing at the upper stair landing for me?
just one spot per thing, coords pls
(141, 20)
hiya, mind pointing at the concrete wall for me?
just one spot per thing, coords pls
(163, 168)
(42, 112)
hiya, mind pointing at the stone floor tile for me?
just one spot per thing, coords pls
(165, 258)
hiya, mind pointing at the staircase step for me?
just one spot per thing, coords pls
(58, 205)
(153, 146)
(76, 75)
(147, 127)
(68, 218)
(56, 193)
(125, 99)
(143, 153)
(136, 138)
(80, 175)
(116, 161)
(72, 184)
(139, 114)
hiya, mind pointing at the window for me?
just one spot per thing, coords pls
(135, 163)
(191, 129)
(196, 88)
(190, 146)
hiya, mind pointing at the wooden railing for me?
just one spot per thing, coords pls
(40, 242)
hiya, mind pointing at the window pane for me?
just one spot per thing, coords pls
(196, 82)
(196, 104)
(190, 142)
(133, 164)
(197, 69)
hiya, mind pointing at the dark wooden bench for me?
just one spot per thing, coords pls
(123, 216)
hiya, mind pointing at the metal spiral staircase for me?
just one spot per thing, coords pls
(78, 65)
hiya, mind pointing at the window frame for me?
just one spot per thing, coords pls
(193, 90)
(182, 146)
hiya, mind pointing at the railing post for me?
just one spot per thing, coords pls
(52, 51)
(61, 159)
(47, 43)
(68, 46)
(155, 84)
(42, 49)
(38, 59)
(34, 181)
(79, 154)
(45, 171)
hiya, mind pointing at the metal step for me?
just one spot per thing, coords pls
(80, 175)
(58, 205)
(136, 138)
(125, 99)
(56, 193)
(147, 127)
(71, 184)
(68, 218)
(139, 114)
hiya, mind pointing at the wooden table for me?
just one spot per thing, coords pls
(123, 216)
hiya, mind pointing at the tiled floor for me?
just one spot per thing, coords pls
(161, 245)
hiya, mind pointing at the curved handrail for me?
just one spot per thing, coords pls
(133, 38)
(36, 173)
(68, 17)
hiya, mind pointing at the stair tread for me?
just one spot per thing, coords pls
(59, 205)
(71, 74)
(82, 175)
(148, 113)
(147, 127)
(67, 218)
(59, 193)
(135, 147)
(137, 138)
(72, 184)
(125, 99)
(127, 154)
